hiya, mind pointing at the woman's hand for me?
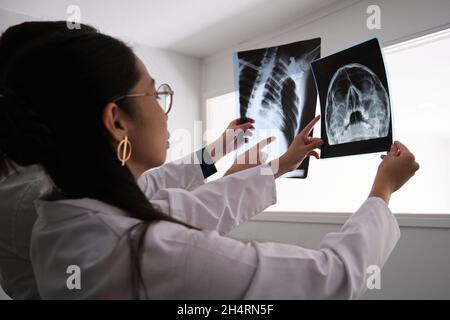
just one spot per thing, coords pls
(251, 158)
(233, 137)
(301, 147)
(397, 167)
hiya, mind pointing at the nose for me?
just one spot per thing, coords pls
(353, 98)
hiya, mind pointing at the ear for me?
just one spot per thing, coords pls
(114, 121)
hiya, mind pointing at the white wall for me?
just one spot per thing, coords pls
(339, 26)
(9, 18)
(419, 266)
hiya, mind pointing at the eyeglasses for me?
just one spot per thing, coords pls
(164, 95)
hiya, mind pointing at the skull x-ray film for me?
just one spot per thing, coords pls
(276, 89)
(354, 101)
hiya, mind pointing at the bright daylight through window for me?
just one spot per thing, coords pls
(418, 73)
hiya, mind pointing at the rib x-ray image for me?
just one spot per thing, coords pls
(276, 89)
(354, 98)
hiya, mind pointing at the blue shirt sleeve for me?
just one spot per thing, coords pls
(206, 163)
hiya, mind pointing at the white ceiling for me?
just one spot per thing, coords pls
(194, 27)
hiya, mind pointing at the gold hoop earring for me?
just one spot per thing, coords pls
(124, 150)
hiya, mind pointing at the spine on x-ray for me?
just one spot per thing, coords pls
(248, 71)
(252, 74)
(280, 98)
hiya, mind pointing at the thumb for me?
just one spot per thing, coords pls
(316, 143)
(393, 149)
(314, 154)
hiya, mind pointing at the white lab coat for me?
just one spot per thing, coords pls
(182, 263)
(18, 191)
(183, 173)
(17, 216)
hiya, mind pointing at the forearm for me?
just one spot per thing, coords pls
(222, 204)
(185, 173)
(279, 167)
(381, 190)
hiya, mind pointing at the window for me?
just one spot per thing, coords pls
(418, 72)
(220, 111)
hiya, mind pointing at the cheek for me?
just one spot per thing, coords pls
(151, 131)
(150, 146)
(158, 128)
(156, 132)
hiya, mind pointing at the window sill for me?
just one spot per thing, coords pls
(404, 219)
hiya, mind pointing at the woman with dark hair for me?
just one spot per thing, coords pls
(21, 186)
(85, 108)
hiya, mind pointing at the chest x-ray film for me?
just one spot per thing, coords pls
(354, 101)
(276, 89)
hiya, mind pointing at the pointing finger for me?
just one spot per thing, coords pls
(310, 126)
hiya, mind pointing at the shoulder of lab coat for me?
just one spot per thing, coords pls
(182, 263)
(185, 173)
(18, 190)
